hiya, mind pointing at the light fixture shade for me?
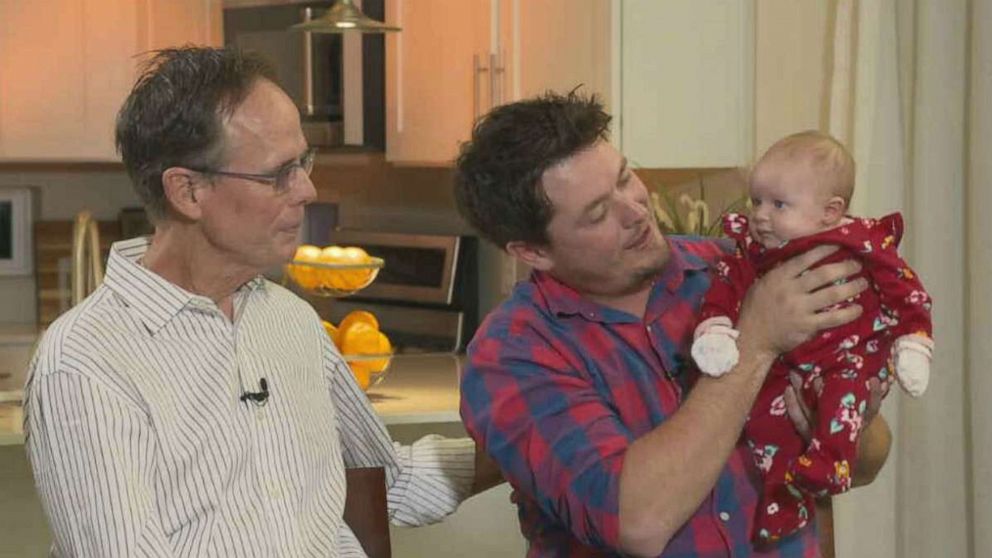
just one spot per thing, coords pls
(342, 17)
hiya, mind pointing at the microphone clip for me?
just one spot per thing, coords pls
(257, 397)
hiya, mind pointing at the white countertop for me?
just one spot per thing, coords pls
(418, 389)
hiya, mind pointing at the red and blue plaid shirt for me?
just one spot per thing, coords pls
(556, 389)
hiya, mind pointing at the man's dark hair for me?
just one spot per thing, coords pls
(498, 174)
(174, 114)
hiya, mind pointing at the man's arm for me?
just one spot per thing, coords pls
(668, 472)
(92, 453)
(487, 473)
(425, 481)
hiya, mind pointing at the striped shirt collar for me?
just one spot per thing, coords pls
(155, 299)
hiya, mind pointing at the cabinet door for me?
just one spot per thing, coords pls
(433, 89)
(69, 64)
(171, 23)
(57, 71)
(556, 45)
(686, 82)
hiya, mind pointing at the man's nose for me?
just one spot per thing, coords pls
(306, 192)
(632, 211)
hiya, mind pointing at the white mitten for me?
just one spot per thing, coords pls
(715, 347)
(912, 354)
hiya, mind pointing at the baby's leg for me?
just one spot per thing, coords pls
(825, 467)
(775, 446)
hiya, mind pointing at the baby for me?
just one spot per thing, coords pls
(800, 190)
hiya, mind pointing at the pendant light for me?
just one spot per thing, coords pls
(344, 16)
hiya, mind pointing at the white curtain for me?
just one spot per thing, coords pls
(910, 91)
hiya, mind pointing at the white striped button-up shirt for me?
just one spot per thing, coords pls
(140, 446)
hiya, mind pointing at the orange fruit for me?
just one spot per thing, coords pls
(360, 338)
(356, 316)
(362, 373)
(344, 279)
(354, 278)
(355, 255)
(330, 277)
(332, 332)
(384, 347)
(306, 277)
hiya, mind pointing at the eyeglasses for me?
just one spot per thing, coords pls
(279, 180)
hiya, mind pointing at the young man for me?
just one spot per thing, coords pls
(189, 407)
(578, 385)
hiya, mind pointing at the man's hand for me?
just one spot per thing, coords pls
(876, 439)
(783, 308)
(487, 473)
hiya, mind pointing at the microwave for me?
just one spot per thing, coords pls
(336, 79)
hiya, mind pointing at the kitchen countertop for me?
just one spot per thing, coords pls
(418, 389)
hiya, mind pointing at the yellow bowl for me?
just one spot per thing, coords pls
(337, 280)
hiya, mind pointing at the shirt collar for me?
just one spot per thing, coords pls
(680, 262)
(564, 300)
(155, 299)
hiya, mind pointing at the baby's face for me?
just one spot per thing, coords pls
(786, 201)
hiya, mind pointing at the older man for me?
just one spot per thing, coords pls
(189, 407)
(579, 385)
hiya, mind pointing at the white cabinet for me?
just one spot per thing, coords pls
(439, 69)
(69, 64)
(686, 82)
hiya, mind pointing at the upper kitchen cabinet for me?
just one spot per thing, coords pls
(455, 60)
(69, 64)
(686, 82)
(557, 45)
(437, 78)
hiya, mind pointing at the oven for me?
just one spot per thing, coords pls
(425, 296)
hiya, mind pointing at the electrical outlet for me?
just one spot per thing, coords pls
(508, 275)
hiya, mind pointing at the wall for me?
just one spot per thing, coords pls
(60, 191)
(790, 58)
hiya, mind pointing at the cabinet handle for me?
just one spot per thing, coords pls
(308, 107)
(477, 69)
(495, 81)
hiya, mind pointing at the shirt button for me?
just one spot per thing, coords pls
(724, 516)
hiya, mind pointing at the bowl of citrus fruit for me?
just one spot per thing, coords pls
(333, 270)
(367, 350)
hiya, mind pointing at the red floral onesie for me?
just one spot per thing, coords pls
(845, 357)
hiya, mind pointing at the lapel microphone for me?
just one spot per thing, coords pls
(257, 397)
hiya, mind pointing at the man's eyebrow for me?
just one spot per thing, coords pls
(290, 162)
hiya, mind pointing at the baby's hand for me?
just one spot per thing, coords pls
(912, 362)
(715, 347)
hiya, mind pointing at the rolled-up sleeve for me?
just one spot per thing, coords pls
(549, 430)
(426, 481)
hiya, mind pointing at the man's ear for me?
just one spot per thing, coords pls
(534, 256)
(834, 210)
(180, 187)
